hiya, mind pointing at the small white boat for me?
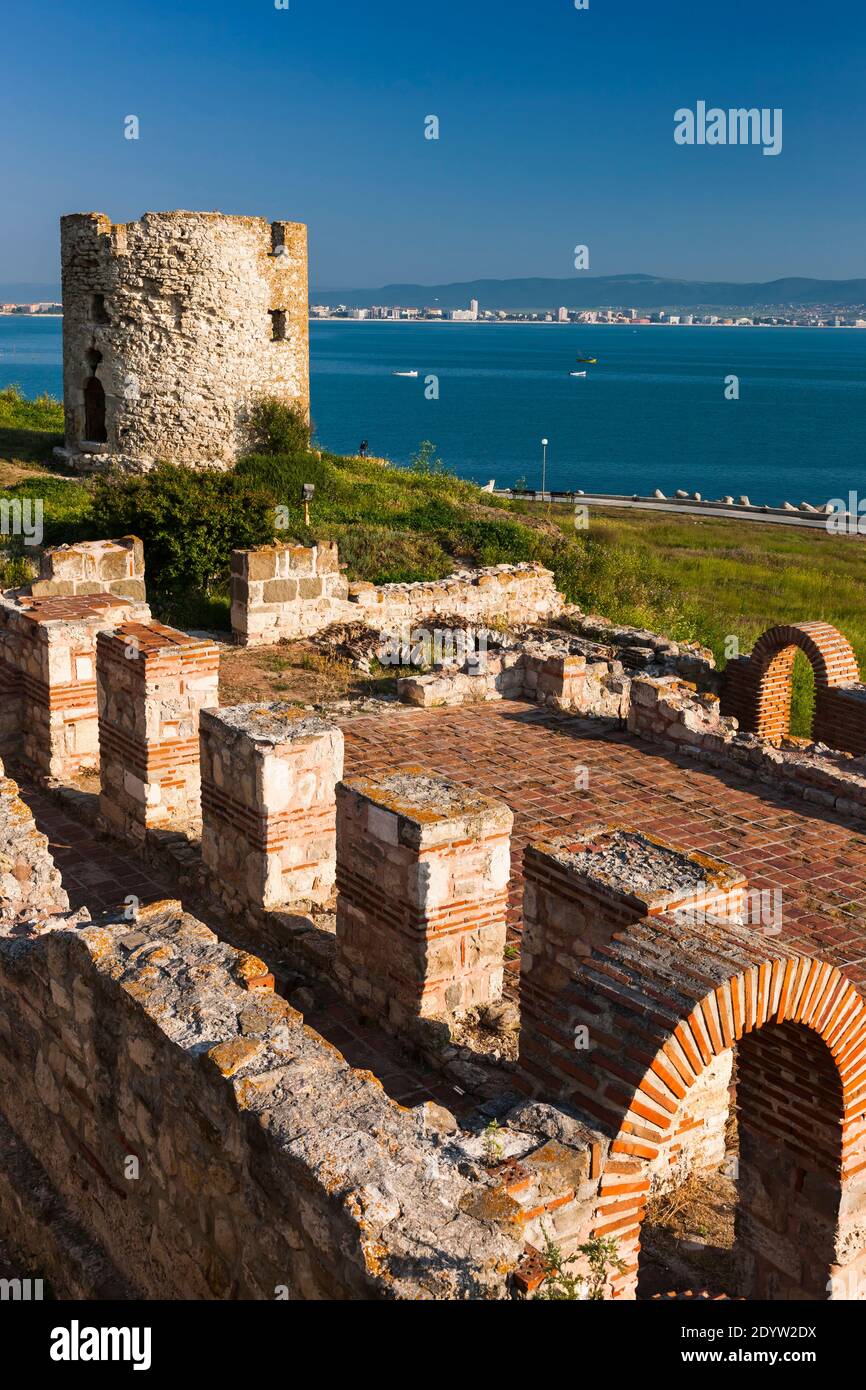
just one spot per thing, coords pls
(577, 374)
(404, 373)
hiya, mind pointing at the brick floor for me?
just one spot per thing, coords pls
(532, 759)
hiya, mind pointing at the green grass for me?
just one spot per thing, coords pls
(693, 579)
(29, 429)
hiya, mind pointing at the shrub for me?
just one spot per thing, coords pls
(279, 428)
(190, 522)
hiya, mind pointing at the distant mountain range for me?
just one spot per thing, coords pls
(601, 291)
(577, 292)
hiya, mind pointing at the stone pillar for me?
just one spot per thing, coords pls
(287, 591)
(93, 567)
(579, 892)
(153, 683)
(422, 878)
(268, 779)
(48, 649)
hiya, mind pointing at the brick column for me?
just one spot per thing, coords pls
(579, 893)
(268, 779)
(48, 650)
(422, 877)
(152, 684)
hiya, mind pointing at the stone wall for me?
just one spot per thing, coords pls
(268, 804)
(422, 875)
(215, 1146)
(173, 327)
(31, 890)
(506, 594)
(285, 591)
(48, 663)
(92, 567)
(671, 713)
(152, 684)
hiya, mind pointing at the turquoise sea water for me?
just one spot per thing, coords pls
(651, 414)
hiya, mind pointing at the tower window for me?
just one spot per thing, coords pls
(99, 313)
(278, 325)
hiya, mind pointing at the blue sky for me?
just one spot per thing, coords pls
(556, 129)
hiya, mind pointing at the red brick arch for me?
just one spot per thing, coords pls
(757, 688)
(660, 1002)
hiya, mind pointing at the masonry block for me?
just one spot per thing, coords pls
(268, 779)
(48, 670)
(286, 591)
(153, 683)
(422, 876)
(92, 567)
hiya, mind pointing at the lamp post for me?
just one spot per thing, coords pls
(307, 493)
(544, 444)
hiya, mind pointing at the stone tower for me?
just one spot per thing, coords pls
(172, 328)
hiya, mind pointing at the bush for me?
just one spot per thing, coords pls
(190, 522)
(278, 428)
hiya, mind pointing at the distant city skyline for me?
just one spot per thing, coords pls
(556, 128)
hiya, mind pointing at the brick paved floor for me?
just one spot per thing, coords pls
(532, 760)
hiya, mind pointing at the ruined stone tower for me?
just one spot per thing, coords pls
(173, 327)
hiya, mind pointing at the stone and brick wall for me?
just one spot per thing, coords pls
(48, 665)
(93, 567)
(422, 877)
(658, 1005)
(153, 682)
(268, 804)
(173, 327)
(579, 893)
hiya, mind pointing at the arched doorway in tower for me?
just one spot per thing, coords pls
(94, 411)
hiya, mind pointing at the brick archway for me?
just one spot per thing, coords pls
(757, 688)
(657, 1003)
(664, 1002)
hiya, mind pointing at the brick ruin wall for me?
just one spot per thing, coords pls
(174, 326)
(277, 825)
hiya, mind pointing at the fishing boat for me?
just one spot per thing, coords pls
(577, 374)
(404, 373)
(591, 360)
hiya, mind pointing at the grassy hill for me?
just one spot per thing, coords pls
(694, 579)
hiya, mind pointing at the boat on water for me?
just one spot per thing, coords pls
(577, 374)
(591, 360)
(404, 373)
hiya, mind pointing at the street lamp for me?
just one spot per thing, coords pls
(307, 493)
(544, 444)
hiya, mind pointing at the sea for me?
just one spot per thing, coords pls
(778, 414)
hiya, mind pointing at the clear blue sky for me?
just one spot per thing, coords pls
(556, 129)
